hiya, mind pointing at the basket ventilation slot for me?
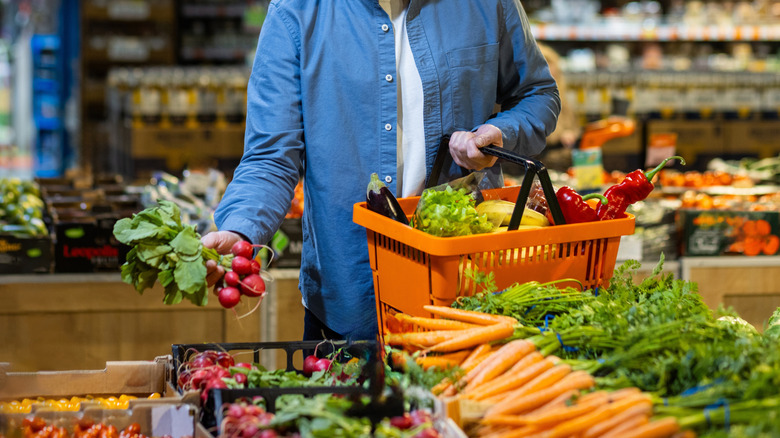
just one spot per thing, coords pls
(401, 249)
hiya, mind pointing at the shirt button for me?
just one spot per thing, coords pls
(388, 127)
(385, 28)
(388, 179)
(389, 78)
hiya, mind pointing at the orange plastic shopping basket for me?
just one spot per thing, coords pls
(412, 268)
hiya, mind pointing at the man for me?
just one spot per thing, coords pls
(344, 88)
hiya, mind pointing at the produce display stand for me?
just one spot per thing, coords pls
(412, 268)
(211, 412)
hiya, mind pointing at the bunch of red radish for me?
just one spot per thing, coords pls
(243, 277)
(246, 420)
(207, 370)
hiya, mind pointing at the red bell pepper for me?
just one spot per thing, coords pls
(573, 206)
(635, 187)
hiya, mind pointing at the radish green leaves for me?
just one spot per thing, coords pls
(167, 251)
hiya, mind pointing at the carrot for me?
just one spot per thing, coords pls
(506, 356)
(476, 356)
(471, 316)
(630, 424)
(655, 429)
(600, 428)
(472, 337)
(422, 339)
(567, 413)
(434, 323)
(510, 381)
(527, 402)
(623, 393)
(557, 402)
(471, 365)
(505, 420)
(603, 413)
(521, 432)
(544, 380)
(428, 362)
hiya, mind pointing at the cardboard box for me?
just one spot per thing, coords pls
(88, 245)
(715, 232)
(117, 378)
(155, 417)
(26, 255)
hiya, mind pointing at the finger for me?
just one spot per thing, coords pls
(214, 276)
(482, 140)
(210, 240)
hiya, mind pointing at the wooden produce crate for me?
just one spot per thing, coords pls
(139, 378)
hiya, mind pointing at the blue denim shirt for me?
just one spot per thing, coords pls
(322, 105)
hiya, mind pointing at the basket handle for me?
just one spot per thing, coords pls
(438, 164)
(532, 168)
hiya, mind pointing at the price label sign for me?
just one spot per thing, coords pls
(588, 168)
(660, 146)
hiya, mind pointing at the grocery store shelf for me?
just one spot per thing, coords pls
(213, 54)
(211, 11)
(630, 31)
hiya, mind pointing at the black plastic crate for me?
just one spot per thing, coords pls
(211, 412)
(361, 349)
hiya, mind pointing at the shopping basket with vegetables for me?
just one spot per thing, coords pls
(412, 268)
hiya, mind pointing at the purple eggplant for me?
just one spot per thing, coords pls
(381, 200)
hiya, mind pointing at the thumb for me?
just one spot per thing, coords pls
(482, 140)
(217, 240)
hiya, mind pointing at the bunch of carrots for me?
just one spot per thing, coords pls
(517, 391)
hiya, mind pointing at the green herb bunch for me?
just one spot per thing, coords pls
(167, 251)
(449, 212)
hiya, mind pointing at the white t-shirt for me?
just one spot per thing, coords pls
(411, 132)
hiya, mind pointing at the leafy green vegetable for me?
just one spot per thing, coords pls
(709, 369)
(166, 251)
(773, 326)
(449, 212)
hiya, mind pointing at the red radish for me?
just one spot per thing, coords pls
(242, 248)
(199, 378)
(235, 410)
(231, 278)
(322, 365)
(253, 410)
(220, 372)
(241, 265)
(308, 364)
(246, 365)
(240, 378)
(217, 288)
(201, 361)
(225, 360)
(256, 268)
(268, 433)
(213, 383)
(253, 285)
(249, 430)
(402, 422)
(229, 297)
